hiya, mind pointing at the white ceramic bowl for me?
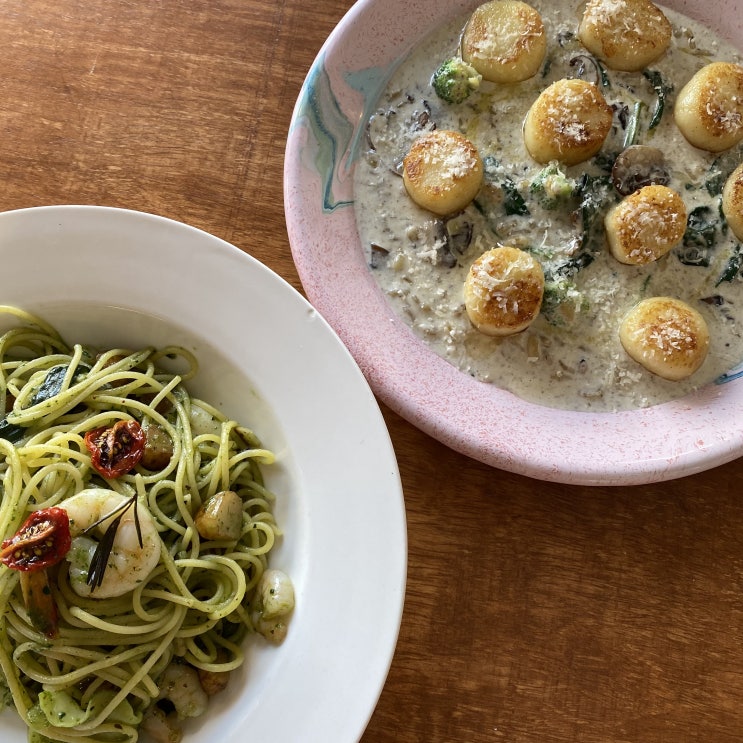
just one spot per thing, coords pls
(109, 277)
(658, 443)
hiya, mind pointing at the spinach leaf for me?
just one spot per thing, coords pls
(571, 266)
(733, 265)
(662, 89)
(11, 432)
(51, 386)
(513, 202)
(595, 194)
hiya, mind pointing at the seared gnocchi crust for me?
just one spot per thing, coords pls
(568, 122)
(645, 225)
(732, 201)
(626, 34)
(505, 41)
(442, 171)
(666, 336)
(503, 291)
(709, 108)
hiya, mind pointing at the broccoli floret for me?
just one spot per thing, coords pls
(552, 187)
(562, 300)
(455, 80)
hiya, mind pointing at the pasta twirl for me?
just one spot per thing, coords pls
(99, 677)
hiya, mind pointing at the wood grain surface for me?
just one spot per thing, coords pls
(535, 612)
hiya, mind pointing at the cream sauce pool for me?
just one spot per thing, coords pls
(570, 357)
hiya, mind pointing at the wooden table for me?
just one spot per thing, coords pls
(535, 611)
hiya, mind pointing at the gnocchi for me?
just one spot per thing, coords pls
(505, 41)
(645, 225)
(503, 291)
(627, 35)
(568, 122)
(709, 108)
(442, 171)
(666, 336)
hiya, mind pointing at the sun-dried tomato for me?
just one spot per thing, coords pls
(42, 541)
(115, 450)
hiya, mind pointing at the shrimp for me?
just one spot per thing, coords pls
(274, 603)
(128, 564)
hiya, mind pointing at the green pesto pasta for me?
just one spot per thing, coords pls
(101, 675)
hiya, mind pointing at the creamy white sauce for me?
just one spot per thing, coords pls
(571, 356)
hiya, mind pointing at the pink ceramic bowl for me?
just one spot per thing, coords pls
(478, 419)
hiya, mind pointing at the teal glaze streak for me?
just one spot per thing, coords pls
(330, 128)
(338, 141)
(369, 82)
(735, 373)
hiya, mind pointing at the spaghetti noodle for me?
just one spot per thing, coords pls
(102, 672)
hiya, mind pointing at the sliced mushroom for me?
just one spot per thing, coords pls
(637, 166)
(587, 67)
(459, 232)
(158, 448)
(378, 255)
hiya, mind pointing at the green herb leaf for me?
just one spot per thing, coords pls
(99, 562)
(733, 265)
(662, 89)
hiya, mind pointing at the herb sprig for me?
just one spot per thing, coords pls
(99, 562)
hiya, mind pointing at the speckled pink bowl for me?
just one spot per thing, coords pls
(659, 443)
